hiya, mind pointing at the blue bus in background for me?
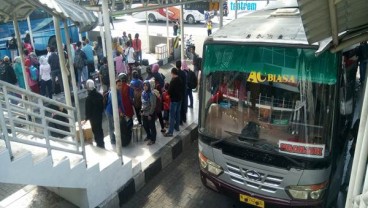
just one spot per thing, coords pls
(43, 32)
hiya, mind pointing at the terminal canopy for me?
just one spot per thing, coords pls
(344, 22)
(64, 9)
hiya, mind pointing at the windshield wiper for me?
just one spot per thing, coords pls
(220, 140)
(272, 148)
(258, 144)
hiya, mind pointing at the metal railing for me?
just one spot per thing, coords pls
(31, 119)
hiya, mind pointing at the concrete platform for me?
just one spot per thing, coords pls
(147, 161)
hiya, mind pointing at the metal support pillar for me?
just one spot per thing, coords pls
(182, 33)
(221, 5)
(20, 50)
(74, 85)
(63, 68)
(360, 155)
(110, 61)
(31, 33)
(167, 30)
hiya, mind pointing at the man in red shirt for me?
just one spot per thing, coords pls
(127, 95)
(137, 46)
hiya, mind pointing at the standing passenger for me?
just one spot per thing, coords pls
(137, 45)
(94, 111)
(148, 113)
(175, 92)
(19, 72)
(88, 50)
(362, 53)
(45, 76)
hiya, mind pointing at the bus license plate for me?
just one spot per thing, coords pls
(251, 200)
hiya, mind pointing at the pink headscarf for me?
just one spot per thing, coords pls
(155, 68)
(184, 65)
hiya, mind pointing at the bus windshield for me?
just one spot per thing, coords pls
(268, 96)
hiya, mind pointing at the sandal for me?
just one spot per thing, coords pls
(151, 142)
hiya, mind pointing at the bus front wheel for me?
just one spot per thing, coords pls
(151, 18)
(191, 19)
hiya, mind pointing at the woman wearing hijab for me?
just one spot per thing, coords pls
(19, 72)
(148, 113)
(45, 76)
(158, 77)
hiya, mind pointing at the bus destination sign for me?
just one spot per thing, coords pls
(302, 149)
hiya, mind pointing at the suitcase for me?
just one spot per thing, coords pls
(137, 133)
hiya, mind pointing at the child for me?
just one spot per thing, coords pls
(166, 104)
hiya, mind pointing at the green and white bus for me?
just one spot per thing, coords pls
(272, 122)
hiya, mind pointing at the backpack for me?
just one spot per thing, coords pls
(137, 97)
(105, 75)
(34, 73)
(192, 80)
(79, 60)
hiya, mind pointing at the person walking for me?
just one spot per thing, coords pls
(137, 45)
(45, 77)
(175, 28)
(209, 27)
(148, 113)
(94, 110)
(176, 96)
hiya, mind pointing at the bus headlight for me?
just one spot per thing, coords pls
(209, 165)
(307, 192)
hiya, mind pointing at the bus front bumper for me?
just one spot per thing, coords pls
(234, 192)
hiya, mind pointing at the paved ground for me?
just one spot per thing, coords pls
(179, 186)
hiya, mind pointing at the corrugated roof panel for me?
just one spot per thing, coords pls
(350, 15)
(61, 8)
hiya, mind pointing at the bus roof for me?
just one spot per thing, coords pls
(282, 25)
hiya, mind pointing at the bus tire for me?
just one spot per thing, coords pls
(152, 18)
(190, 19)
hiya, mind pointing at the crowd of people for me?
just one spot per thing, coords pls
(146, 98)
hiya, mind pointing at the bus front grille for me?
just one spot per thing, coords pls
(254, 178)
